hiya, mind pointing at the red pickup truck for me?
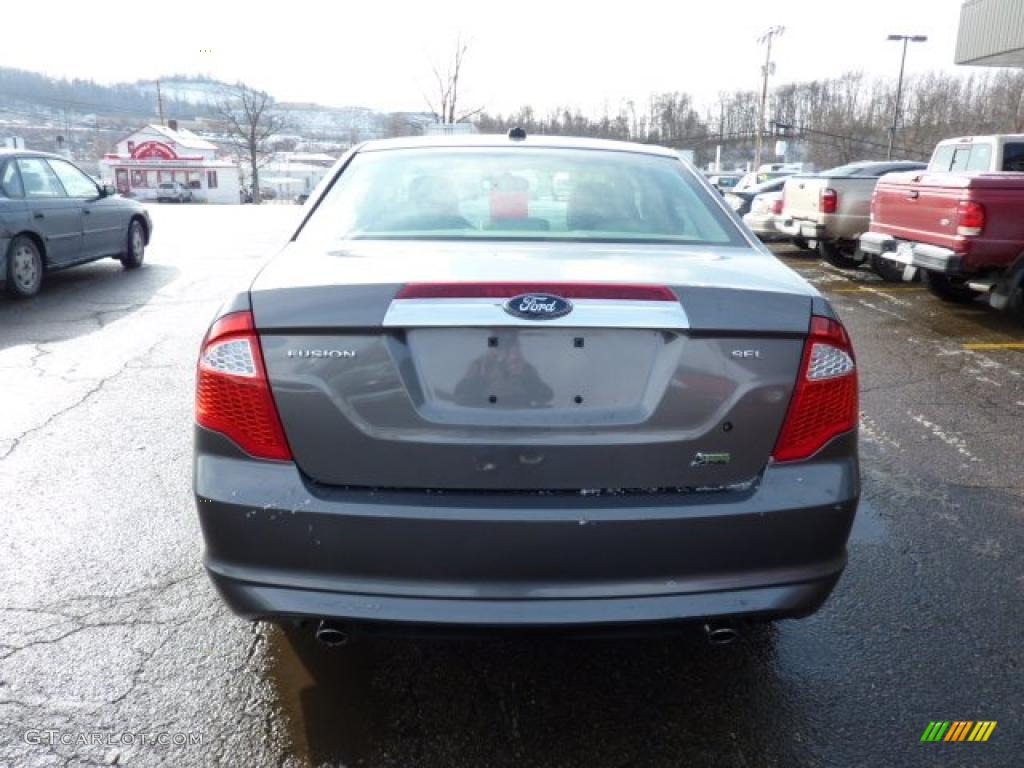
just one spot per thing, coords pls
(964, 231)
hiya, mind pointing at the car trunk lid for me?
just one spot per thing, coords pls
(384, 377)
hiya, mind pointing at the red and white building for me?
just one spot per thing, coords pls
(155, 154)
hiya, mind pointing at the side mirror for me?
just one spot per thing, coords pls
(107, 190)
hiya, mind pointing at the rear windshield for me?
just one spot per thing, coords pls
(963, 157)
(519, 194)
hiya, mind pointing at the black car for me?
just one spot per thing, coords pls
(53, 215)
(740, 201)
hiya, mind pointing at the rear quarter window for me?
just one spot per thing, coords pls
(10, 181)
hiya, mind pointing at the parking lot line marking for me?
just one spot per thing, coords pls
(994, 345)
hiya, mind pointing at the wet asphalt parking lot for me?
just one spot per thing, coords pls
(111, 638)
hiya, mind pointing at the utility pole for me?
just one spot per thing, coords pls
(766, 70)
(159, 102)
(899, 86)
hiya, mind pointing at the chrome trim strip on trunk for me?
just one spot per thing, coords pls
(490, 313)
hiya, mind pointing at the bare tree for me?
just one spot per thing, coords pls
(249, 119)
(445, 104)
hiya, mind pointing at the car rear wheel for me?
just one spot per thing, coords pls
(24, 268)
(887, 269)
(135, 247)
(839, 254)
(948, 288)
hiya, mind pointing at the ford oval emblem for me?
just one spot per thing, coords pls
(538, 306)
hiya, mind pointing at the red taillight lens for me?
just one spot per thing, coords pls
(824, 402)
(777, 206)
(232, 391)
(970, 218)
(829, 200)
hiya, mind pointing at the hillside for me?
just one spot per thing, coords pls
(88, 117)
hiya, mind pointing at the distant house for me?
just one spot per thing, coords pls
(155, 154)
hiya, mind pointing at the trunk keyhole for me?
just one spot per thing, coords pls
(578, 399)
(493, 399)
(492, 341)
(727, 427)
(578, 342)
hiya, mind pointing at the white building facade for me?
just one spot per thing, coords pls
(155, 154)
(289, 174)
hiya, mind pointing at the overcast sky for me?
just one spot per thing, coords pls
(545, 53)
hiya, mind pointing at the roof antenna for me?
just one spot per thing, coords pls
(517, 133)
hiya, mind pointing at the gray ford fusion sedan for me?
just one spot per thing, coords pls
(524, 382)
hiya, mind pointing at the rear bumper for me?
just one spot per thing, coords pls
(931, 257)
(797, 228)
(762, 225)
(278, 545)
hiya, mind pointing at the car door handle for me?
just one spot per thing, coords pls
(913, 195)
(37, 215)
(86, 211)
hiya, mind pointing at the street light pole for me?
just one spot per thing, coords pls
(905, 39)
(766, 70)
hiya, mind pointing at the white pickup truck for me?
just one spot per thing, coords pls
(979, 153)
(832, 209)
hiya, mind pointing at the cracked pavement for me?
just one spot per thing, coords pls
(109, 626)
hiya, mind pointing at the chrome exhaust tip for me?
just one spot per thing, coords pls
(331, 635)
(721, 634)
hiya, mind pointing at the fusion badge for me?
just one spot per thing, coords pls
(335, 353)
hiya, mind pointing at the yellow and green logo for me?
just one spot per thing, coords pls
(958, 730)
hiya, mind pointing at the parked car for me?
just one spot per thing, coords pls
(832, 209)
(54, 216)
(723, 182)
(964, 231)
(503, 410)
(754, 178)
(761, 217)
(979, 153)
(742, 199)
(173, 192)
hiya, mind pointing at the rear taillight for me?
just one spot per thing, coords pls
(777, 207)
(232, 391)
(970, 218)
(829, 200)
(824, 402)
